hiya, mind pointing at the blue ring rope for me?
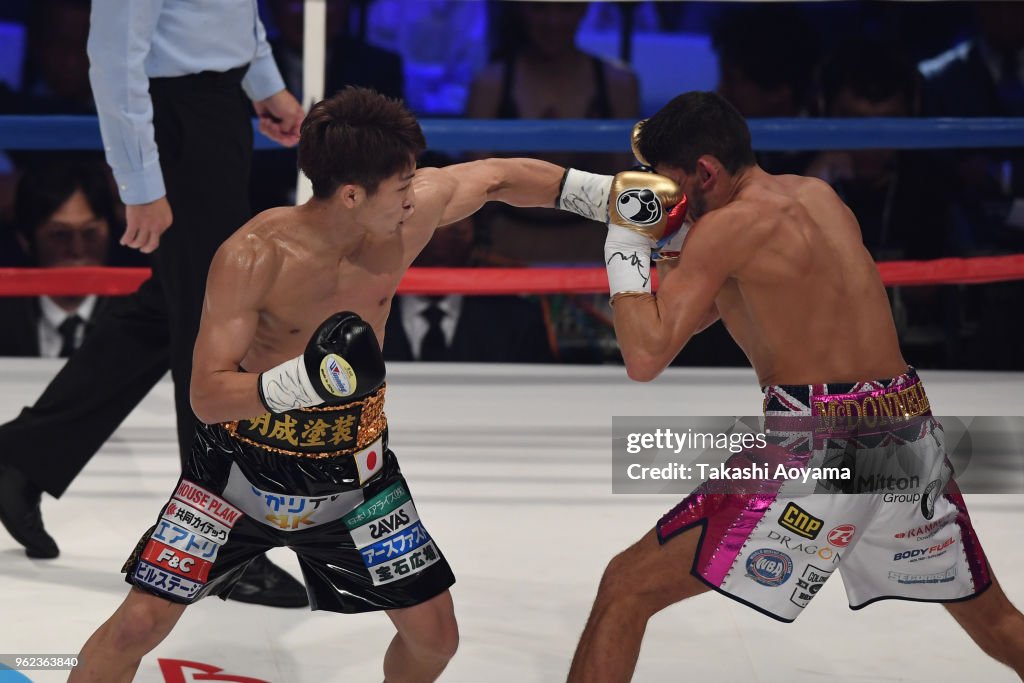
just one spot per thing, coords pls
(453, 135)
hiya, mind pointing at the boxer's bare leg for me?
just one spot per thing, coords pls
(638, 583)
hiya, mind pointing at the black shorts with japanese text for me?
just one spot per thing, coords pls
(320, 481)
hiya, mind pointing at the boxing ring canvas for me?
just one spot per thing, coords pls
(511, 469)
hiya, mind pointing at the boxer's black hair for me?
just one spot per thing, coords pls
(357, 136)
(694, 124)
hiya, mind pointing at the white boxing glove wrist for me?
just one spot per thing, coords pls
(627, 255)
(287, 386)
(585, 194)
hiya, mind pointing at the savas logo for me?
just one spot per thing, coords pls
(388, 524)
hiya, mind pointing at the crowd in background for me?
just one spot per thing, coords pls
(844, 59)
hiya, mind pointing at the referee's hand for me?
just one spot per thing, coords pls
(280, 118)
(144, 223)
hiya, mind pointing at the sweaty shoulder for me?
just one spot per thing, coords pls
(823, 206)
(810, 188)
(746, 219)
(252, 257)
(429, 180)
(767, 222)
(434, 188)
(784, 200)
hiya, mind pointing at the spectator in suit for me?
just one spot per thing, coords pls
(64, 217)
(472, 329)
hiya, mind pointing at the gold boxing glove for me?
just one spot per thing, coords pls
(644, 211)
(638, 200)
(634, 143)
(646, 214)
(648, 203)
(671, 243)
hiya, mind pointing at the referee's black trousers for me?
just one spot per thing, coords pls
(204, 136)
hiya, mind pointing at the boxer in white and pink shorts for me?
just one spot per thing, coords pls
(780, 260)
(898, 528)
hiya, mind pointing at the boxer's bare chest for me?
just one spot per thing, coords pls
(309, 290)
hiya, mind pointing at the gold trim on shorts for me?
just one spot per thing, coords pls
(322, 432)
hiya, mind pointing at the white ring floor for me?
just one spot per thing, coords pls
(510, 467)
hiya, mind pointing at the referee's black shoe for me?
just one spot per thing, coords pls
(21, 516)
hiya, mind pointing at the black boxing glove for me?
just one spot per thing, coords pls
(342, 363)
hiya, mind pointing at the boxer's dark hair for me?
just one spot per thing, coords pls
(694, 124)
(357, 136)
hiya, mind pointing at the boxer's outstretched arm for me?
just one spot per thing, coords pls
(240, 275)
(519, 182)
(653, 329)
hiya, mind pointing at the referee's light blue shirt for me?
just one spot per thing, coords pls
(131, 41)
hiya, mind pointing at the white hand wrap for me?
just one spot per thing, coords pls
(287, 386)
(627, 255)
(586, 194)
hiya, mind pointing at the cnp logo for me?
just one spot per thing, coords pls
(800, 522)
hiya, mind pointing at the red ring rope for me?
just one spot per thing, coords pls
(115, 281)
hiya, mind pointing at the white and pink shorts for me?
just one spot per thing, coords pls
(897, 528)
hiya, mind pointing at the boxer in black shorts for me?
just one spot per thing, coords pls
(320, 481)
(294, 452)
